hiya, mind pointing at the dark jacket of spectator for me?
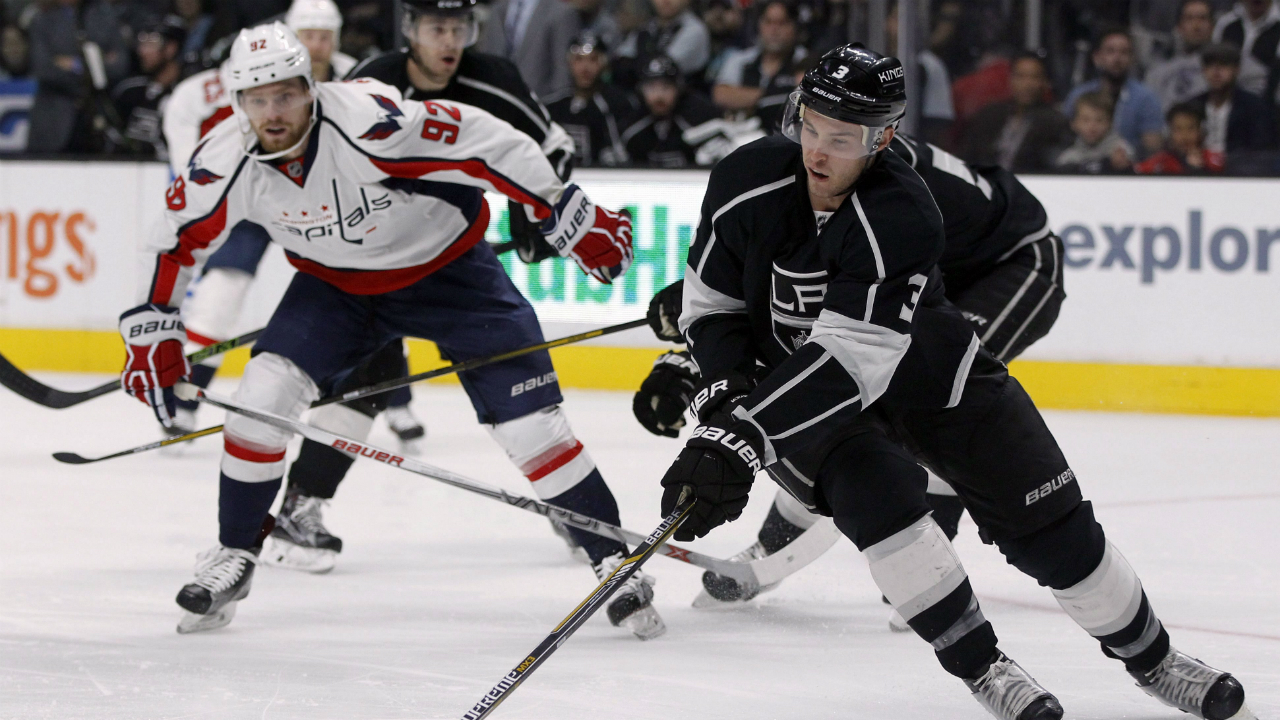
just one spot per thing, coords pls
(1019, 142)
(1249, 124)
(654, 141)
(61, 117)
(1258, 40)
(1178, 78)
(535, 35)
(683, 37)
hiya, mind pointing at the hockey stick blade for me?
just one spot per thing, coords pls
(743, 572)
(41, 394)
(580, 614)
(71, 458)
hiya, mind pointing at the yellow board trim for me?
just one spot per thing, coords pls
(1059, 385)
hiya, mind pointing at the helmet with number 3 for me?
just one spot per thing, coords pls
(263, 55)
(850, 85)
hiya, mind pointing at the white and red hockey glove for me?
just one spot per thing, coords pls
(153, 337)
(598, 240)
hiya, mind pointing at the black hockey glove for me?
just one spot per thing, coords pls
(719, 462)
(531, 245)
(721, 395)
(664, 312)
(663, 397)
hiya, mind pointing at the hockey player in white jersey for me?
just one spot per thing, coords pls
(379, 203)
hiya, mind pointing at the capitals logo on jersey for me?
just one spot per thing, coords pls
(385, 127)
(199, 175)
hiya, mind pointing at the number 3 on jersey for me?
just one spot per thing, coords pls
(438, 130)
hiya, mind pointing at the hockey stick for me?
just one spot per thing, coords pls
(75, 459)
(742, 572)
(41, 394)
(594, 601)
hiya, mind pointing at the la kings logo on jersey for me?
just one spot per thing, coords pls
(797, 289)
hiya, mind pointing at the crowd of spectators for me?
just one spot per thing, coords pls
(1120, 86)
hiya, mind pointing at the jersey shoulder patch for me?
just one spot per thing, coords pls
(364, 109)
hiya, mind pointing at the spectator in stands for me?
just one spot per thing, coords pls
(198, 23)
(535, 35)
(1235, 119)
(594, 114)
(233, 15)
(657, 138)
(937, 112)
(1184, 152)
(1254, 27)
(140, 99)
(1137, 115)
(729, 35)
(1098, 148)
(1179, 78)
(1024, 133)
(595, 19)
(15, 53)
(757, 81)
(62, 115)
(674, 32)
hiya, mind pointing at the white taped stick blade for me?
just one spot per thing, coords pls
(185, 391)
(193, 623)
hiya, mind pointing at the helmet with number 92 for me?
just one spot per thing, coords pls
(262, 60)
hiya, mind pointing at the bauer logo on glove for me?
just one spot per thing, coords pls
(598, 240)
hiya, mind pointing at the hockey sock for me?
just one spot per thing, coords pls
(777, 532)
(400, 397)
(919, 572)
(947, 510)
(591, 497)
(201, 376)
(318, 470)
(1111, 606)
(242, 506)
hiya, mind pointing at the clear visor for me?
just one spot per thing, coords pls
(267, 102)
(453, 31)
(818, 133)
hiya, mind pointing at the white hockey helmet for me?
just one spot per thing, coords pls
(263, 55)
(314, 15)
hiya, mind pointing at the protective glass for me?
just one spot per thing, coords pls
(818, 133)
(436, 30)
(259, 104)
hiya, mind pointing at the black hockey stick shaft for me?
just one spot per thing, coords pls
(478, 362)
(71, 458)
(586, 609)
(41, 394)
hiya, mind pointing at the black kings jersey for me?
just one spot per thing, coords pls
(488, 82)
(830, 314)
(987, 212)
(596, 124)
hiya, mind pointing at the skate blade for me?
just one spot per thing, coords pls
(897, 623)
(1244, 713)
(645, 623)
(193, 623)
(286, 555)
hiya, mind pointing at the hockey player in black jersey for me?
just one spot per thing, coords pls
(593, 113)
(657, 139)
(814, 307)
(1002, 267)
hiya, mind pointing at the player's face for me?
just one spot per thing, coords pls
(835, 154)
(280, 113)
(660, 97)
(320, 43)
(437, 43)
(151, 52)
(586, 68)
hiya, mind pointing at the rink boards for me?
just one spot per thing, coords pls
(1171, 282)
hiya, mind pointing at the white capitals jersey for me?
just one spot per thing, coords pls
(196, 106)
(388, 192)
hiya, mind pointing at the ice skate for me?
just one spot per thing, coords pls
(1185, 683)
(407, 428)
(184, 421)
(722, 591)
(632, 605)
(575, 550)
(300, 540)
(1010, 693)
(223, 577)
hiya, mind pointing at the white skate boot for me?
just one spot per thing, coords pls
(1189, 685)
(631, 606)
(223, 577)
(407, 428)
(722, 591)
(1010, 693)
(300, 540)
(184, 421)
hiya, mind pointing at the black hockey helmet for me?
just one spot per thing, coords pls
(587, 42)
(440, 7)
(851, 84)
(661, 67)
(168, 28)
(414, 10)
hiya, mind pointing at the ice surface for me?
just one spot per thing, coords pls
(438, 593)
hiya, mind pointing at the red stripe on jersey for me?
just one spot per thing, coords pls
(213, 120)
(167, 269)
(201, 339)
(241, 452)
(556, 462)
(377, 282)
(414, 169)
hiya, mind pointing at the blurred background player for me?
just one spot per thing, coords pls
(212, 312)
(670, 110)
(595, 112)
(439, 281)
(140, 100)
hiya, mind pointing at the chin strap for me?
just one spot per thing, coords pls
(315, 101)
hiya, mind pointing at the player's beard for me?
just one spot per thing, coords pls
(277, 143)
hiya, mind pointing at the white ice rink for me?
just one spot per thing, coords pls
(438, 593)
